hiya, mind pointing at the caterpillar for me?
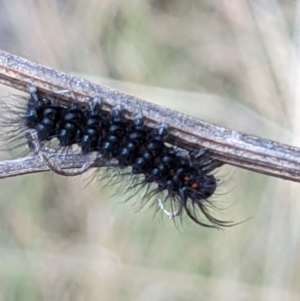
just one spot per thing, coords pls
(182, 179)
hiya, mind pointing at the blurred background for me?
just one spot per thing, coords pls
(233, 63)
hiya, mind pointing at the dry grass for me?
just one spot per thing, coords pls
(63, 241)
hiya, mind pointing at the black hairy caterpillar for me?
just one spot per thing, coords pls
(185, 178)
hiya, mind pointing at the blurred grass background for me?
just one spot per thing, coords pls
(233, 63)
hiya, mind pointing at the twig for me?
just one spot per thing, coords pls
(228, 146)
(34, 164)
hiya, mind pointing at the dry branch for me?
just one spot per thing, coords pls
(228, 146)
(34, 164)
